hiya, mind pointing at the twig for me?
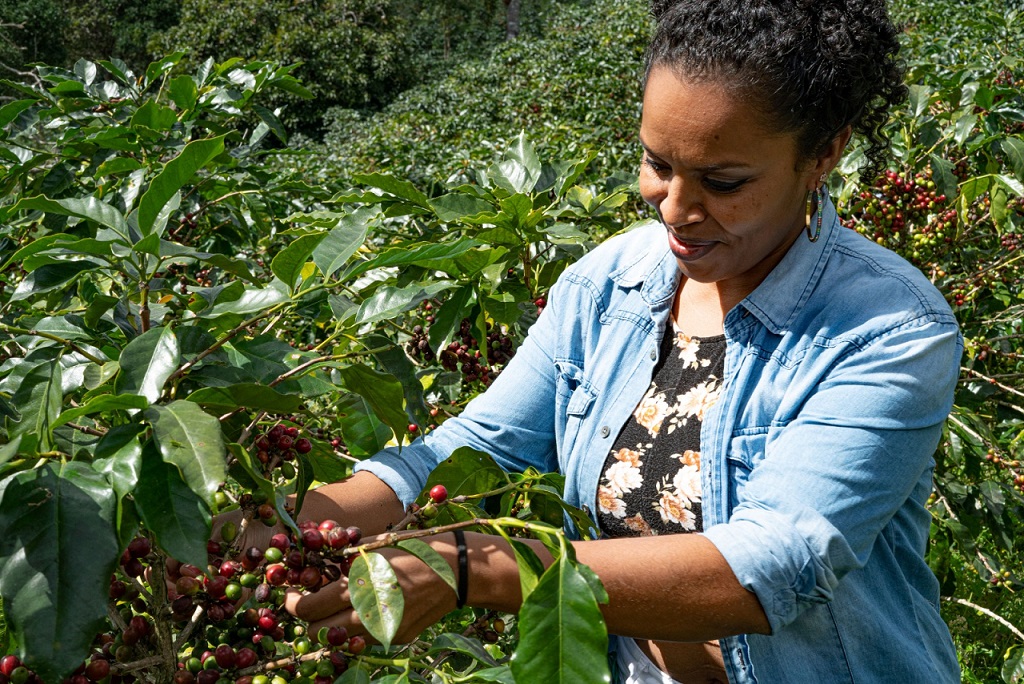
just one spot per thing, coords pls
(184, 635)
(998, 618)
(49, 336)
(188, 365)
(95, 432)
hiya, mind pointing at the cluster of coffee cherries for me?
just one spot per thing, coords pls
(462, 354)
(904, 212)
(278, 447)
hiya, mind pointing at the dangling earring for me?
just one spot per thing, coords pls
(815, 202)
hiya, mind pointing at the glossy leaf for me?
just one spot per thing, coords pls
(171, 510)
(57, 553)
(376, 596)
(382, 392)
(118, 455)
(343, 241)
(38, 400)
(1012, 671)
(175, 174)
(449, 317)
(191, 439)
(563, 636)
(418, 254)
(466, 471)
(457, 206)
(362, 430)
(89, 208)
(394, 186)
(254, 300)
(1013, 148)
(102, 403)
(461, 644)
(10, 111)
(146, 363)
(248, 395)
(50, 277)
(387, 302)
(434, 560)
(289, 262)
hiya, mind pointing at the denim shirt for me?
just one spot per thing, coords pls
(816, 460)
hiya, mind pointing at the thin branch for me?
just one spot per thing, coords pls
(187, 366)
(86, 429)
(998, 618)
(50, 336)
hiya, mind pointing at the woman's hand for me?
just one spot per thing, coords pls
(428, 598)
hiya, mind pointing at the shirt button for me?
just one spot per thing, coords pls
(605, 431)
(654, 355)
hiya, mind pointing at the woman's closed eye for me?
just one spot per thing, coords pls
(724, 186)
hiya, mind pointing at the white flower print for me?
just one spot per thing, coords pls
(687, 483)
(623, 478)
(689, 457)
(699, 400)
(630, 456)
(674, 510)
(651, 412)
(689, 348)
(609, 503)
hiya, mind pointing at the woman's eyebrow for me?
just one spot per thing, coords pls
(727, 164)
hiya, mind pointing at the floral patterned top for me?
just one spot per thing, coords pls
(651, 480)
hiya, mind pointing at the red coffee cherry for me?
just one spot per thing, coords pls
(140, 547)
(303, 445)
(438, 493)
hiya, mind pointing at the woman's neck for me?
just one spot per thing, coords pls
(699, 309)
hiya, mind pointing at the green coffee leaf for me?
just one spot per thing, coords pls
(38, 399)
(191, 439)
(146, 363)
(434, 560)
(171, 510)
(376, 596)
(562, 632)
(175, 174)
(288, 263)
(57, 554)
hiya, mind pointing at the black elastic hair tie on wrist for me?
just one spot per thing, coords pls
(463, 582)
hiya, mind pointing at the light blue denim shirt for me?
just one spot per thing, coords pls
(817, 459)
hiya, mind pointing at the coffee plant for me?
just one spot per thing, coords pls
(186, 331)
(187, 305)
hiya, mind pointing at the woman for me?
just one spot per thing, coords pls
(746, 398)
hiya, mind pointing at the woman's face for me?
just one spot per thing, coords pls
(731, 193)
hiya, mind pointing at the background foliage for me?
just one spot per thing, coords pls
(951, 205)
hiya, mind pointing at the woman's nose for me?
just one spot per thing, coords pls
(681, 203)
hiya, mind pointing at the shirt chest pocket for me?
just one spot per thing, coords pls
(576, 397)
(745, 453)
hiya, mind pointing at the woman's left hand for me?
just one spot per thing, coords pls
(428, 598)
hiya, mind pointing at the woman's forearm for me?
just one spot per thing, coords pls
(363, 501)
(670, 588)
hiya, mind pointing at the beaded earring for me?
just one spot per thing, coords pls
(815, 201)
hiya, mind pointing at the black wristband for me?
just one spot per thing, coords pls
(463, 581)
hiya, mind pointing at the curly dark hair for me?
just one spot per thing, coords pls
(811, 67)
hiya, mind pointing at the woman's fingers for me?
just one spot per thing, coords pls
(332, 598)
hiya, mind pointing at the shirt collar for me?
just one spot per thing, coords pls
(775, 302)
(653, 265)
(780, 297)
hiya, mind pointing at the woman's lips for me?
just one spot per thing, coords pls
(688, 250)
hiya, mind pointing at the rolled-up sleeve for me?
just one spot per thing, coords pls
(513, 421)
(832, 478)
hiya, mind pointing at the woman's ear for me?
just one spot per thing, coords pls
(831, 155)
